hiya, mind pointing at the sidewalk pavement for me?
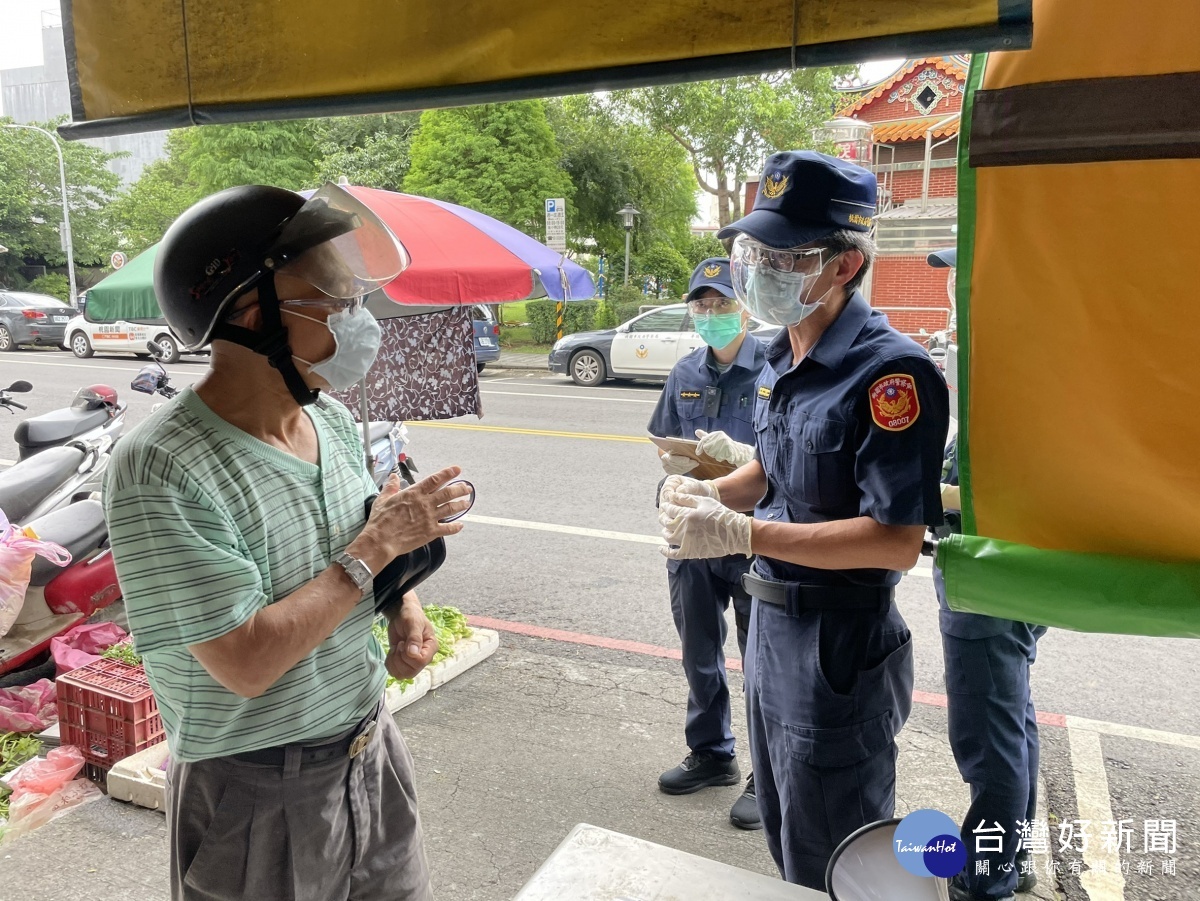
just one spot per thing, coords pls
(509, 757)
(511, 359)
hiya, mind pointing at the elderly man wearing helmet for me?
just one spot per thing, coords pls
(850, 420)
(246, 556)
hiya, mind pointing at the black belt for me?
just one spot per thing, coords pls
(350, 745)
(794, 597)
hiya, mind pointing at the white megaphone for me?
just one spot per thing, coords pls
(864, 868)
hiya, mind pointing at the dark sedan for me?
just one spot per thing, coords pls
(645, 347)
(32, 319)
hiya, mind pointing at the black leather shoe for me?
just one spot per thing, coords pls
(699, 769)
(744, 813)
(958, 892)
(1026, 878)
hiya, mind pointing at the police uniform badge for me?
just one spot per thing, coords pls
(775, 184)
(712, 271)
(689, 395)
(894, 403)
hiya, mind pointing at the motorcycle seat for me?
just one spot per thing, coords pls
(79, 527)
(58, 426)
(377, 431)
(23, 486)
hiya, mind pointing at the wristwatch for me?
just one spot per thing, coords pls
(360, 574)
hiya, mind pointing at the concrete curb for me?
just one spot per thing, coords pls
(140, 779)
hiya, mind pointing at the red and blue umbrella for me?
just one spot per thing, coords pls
(460, 256)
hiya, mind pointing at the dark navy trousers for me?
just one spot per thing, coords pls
(826, 693)
(994, 737)
(701, 591)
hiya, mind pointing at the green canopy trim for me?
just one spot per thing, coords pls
(1070, 590)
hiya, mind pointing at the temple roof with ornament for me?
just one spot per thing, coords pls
(919, 94)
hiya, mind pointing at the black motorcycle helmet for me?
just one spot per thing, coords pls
(234, 241)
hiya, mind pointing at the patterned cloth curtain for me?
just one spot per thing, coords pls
(425, 369)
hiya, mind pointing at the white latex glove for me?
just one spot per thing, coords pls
(951, 497)
(701, 527)
(677, 464)
(721, 447)
(677, 486)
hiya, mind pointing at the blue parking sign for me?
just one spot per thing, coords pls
(550, 206)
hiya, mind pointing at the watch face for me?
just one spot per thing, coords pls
(356, 570)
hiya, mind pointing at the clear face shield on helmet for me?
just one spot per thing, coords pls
(775, 284)
(337, 245)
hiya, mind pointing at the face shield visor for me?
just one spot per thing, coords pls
(775, 284)
(337, 245)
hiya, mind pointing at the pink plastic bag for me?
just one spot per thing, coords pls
(42, 789)
(28, 708)
(44, 775)
(17, 550)
(84, 644)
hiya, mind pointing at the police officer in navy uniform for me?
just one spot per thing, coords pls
(710, 395)
(850, 424)
(993, 724)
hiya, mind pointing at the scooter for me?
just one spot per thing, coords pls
(69, 463)
(95, 412)
(57, 598)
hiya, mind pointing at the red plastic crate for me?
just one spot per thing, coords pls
(107, 710)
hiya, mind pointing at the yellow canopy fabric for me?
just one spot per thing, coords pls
(1078, 302)
(142, 64)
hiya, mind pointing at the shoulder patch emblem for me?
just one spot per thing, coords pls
(764, 392)
(894, 403)
(689, 395)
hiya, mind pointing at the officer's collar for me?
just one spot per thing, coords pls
(833, 344)
(744, 359)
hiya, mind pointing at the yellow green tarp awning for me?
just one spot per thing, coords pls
(137, 65)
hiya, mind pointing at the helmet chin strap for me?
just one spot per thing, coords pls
(271, 342)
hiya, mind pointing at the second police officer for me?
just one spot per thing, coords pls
(850, 423)
(710, 395)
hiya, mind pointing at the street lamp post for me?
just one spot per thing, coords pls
(62, 183)
(627, 213)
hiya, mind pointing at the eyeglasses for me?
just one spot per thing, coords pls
(717, 305)
(805, 261)
(333, 304)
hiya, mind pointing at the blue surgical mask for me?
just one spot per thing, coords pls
(718, 329)
(356, 337)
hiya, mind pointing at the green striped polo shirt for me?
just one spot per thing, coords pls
(209, 525)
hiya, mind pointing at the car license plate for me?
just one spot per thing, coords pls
(62, 318)
(486, 342)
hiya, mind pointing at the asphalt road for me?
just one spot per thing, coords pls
(1123, 737)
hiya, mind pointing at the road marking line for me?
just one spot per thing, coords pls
(1102, 879)
(925, 698)
(922, 569)
(8, 462)
(134, 369)
(563, 530)
(1140, 733)
(611, 400)
(512, 431)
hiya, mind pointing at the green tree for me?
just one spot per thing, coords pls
(728, 126)
(499, 158)
(665, 266)
(702, 247)
(372, 151)
(253, 153)
(142, 214)
(31, 201)
(613, 161)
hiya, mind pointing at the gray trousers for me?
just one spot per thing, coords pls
(341, 830)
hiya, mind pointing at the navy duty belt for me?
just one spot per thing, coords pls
(794, 596)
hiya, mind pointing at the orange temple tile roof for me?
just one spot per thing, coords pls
(941, 63)
(912, 129)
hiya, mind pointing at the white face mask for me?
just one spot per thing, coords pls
(356, 338)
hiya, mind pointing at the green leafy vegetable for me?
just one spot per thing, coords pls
(15, 749)
(449, 625)
(124, 652)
